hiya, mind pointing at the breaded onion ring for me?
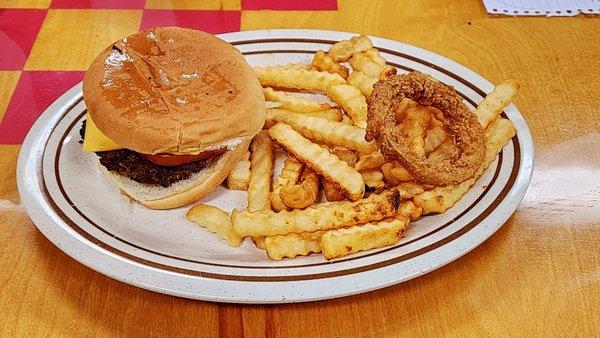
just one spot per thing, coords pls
(461, 124)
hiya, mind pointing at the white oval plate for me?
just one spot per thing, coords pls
(76, 207)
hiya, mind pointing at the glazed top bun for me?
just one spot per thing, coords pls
(173, 90)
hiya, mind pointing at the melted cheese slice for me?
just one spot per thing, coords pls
(94, 140)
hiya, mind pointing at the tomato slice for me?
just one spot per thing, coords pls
(175, 160)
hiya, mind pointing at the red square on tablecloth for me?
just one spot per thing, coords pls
(115, 4)
(35, 91)
(18, 30)
(210, 21)
(290, 5)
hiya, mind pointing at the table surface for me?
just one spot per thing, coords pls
(538, 275)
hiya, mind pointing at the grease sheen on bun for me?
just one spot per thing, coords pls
(173, 90)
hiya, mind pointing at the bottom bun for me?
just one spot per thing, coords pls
(182, 192)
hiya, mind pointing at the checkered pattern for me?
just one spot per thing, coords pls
(47, 44)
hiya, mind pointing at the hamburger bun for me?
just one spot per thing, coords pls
(182, 192)
(173, 90)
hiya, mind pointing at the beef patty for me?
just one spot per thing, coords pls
(134, 166)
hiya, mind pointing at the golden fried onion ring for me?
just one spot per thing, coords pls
(461, 124)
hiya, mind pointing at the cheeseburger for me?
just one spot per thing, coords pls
(170, 112)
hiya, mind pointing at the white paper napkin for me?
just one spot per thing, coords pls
(542, 7)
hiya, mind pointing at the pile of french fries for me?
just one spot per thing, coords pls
(370, 201)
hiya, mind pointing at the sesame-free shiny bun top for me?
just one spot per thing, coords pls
(173, 90)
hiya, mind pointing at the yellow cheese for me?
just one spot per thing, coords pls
(94, 140)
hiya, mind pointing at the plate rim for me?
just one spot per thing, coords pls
(511, 201)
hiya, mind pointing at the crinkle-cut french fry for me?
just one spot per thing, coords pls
(331, 114)
(414, 128)
(372, 160)
(440, 199)
(351, 100)
(388, 177)
(289, 175)
(332, 193)
(362, 81)
(496, 137)
(341, 242)
(319, 160)
(272, 104)
(368, 62)
(492, 105)
(313, 80)
(434, 137)
(324, 62)
(375, 56)
(409, 210)
(373, 181)
(394, 173)
(215, 220)
(240, 174)
(345, 155)
(261, 170)
(325, 131)
(362, 63)
(292, 102)
(293, 245)
(372, 64)
(324, 216)
(290, 66)
(410, 189)
(372, 176)
(343, 50)
(303, 194)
